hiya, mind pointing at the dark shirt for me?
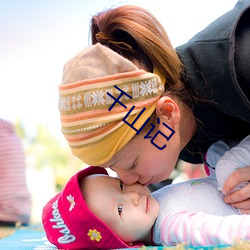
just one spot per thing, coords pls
(217, 67)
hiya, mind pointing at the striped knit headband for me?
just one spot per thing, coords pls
(94, 130)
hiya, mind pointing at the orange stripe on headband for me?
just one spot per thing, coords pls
(88, 82)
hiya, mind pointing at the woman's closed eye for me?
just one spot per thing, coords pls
(121, 186)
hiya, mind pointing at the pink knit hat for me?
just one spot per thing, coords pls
(69, 223)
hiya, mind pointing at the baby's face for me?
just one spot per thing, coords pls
(130, 211)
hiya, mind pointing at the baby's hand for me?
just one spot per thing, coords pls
(241, 197)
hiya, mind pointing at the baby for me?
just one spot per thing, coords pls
(96, 211)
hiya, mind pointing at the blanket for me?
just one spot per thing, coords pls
(33, 237)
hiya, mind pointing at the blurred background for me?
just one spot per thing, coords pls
(36, 40)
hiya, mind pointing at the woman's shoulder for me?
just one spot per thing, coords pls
(209, 65)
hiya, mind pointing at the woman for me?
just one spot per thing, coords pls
(206, 96)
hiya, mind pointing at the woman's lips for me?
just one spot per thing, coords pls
(148, 182)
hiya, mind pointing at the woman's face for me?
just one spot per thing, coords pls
(141, 161)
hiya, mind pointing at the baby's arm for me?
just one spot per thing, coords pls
(214, 153)
(237, 157)
(201, 229)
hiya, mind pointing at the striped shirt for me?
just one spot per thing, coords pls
(194, 212)
(15, 200)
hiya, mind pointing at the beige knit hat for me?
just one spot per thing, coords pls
(94, 131)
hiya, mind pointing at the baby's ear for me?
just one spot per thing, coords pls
(168, 111)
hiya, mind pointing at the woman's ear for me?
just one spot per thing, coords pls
(168, 111)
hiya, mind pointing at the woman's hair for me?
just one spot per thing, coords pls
(136, 34)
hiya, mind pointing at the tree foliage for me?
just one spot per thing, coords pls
(45, 150)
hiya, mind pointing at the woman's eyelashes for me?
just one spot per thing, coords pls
(120, 206)
(121, 186)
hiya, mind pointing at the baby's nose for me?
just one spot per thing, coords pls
(133, 198)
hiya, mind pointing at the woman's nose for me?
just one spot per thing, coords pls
(126, 177)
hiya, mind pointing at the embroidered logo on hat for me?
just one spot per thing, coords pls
(94, 235)
(72, 203)
(61, 226)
